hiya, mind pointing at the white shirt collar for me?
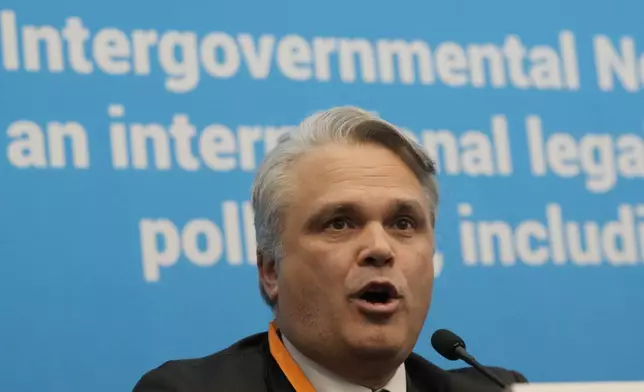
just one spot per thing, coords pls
(325, 381)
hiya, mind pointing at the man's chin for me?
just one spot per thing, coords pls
(378, 343)
(378, 353)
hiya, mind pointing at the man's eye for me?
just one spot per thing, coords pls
(404, 223)
(339, 224)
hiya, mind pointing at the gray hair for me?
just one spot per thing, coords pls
(346, 125)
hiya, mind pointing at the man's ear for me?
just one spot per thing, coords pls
(267, 268)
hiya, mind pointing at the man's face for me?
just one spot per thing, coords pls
(357, 275)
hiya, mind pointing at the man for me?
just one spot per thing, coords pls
(345, 209)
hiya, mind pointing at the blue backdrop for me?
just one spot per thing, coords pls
(131, 132)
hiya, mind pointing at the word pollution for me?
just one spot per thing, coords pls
(200, 241)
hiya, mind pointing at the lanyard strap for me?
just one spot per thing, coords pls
(292, 371)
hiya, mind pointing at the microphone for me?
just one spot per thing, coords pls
(452, 347)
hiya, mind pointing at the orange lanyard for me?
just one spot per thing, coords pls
(292, 371)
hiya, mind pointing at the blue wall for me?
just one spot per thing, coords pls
(119, 252)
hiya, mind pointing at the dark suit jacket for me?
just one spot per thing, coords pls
(248, 366)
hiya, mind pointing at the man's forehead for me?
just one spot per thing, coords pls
(372, 176)
(333, 168)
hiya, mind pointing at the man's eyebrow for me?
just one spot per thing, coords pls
(406, 205)
(331, 209)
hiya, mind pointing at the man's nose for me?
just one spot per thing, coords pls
(376, 246)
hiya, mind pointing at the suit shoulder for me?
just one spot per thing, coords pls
(424, 374)
(506, 375)
(238, 367)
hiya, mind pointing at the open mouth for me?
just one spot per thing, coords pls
(378, 293)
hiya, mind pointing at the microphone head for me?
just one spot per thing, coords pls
(445, 343)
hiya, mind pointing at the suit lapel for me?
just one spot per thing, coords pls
(411, 387)
(274, 377)
(423, 376)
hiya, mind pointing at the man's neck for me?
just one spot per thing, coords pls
(323, 379)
